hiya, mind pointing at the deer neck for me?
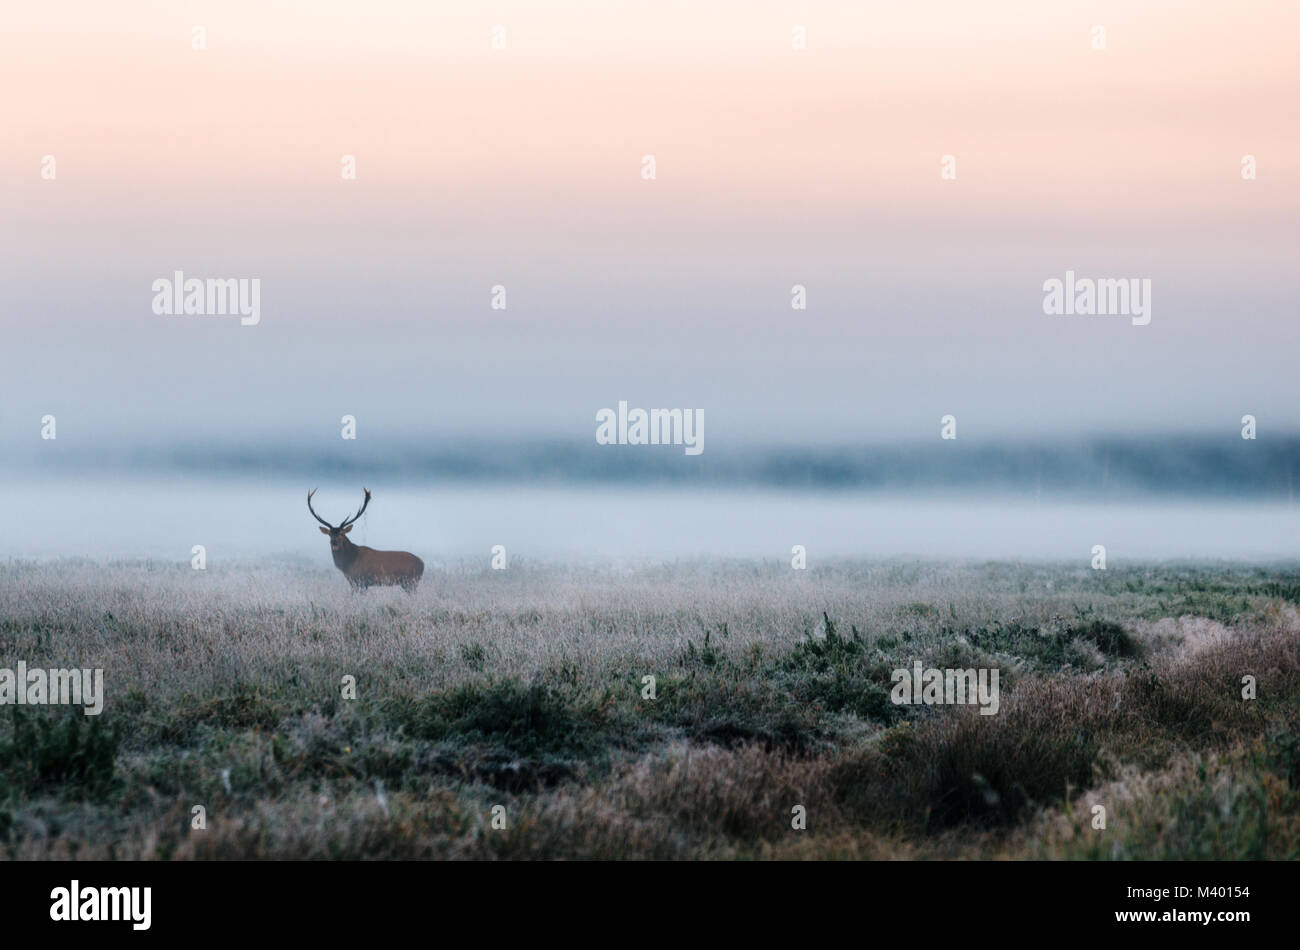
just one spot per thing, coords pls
(345, 555)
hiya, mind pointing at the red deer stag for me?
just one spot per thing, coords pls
(365, 566)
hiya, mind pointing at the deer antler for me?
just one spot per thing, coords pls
(313, 511)
(360, 511)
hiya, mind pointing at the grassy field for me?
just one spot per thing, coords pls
(524, 689)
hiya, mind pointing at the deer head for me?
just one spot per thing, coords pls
(337, 540)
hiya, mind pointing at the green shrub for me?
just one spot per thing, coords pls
(62, 750)
(531, 719)
(1109, 637)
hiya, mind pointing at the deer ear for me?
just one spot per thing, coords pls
(324, 530)
(346, 530)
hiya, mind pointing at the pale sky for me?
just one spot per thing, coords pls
(522, 167)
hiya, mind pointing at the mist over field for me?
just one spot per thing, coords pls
(568, 501)
(1096, 468)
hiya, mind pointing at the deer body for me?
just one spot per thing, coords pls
(365, 567)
